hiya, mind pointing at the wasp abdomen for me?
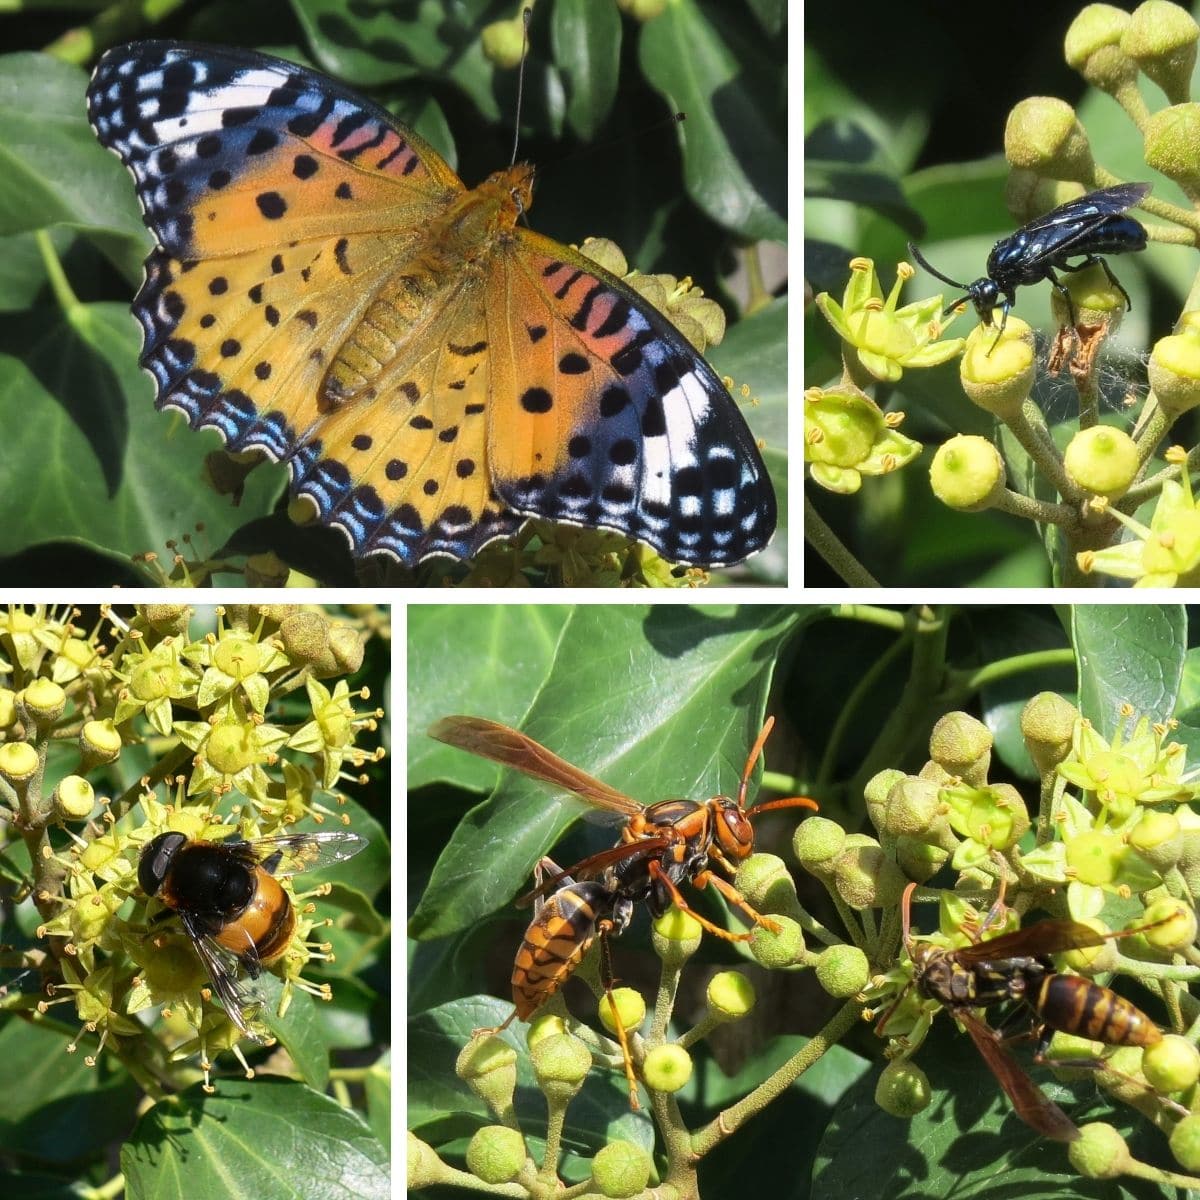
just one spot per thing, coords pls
(1075, 1005)
(554, 944)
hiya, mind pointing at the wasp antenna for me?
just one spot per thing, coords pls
(906, 912)
(751, 759)
(933, 270)
(790, 802)
(525, 15)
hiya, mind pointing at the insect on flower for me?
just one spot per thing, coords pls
(231, 905)
(661, 845)
(1091, 226)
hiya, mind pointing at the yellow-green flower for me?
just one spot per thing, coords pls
(332, 731)
(886, 338)
(232, 749)
(1167, 554)
(236, 658)
(153, 677)
(847, 435)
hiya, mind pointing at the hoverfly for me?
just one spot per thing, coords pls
(1091, 225)
(230, 903)
(1017, 966)
(661, 845)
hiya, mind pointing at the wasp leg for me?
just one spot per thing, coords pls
(1112, 279)
(701, 881)
(488, 1031)
(1004, 311)
(604, 928)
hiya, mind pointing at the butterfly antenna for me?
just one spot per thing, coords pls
(526, 13)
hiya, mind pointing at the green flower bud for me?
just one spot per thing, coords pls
(99, 743)
(730, 995)
(865, 877)
(74, 798)
(817, 842)
(1093, 48)
(667, 1068)
(266, 571)
(489, 1068)
(676, 936)
(918, 859)
(630, 1006)
(967, 473)
(44, 701)
(496, 1153)
(1091, 960)
(1158, 838)
(766, 883)
(560, 1063)
(1102, 460)
(999, 380)
(642, 10)
(1043, 135)
(503, 42)
(903, 1089)
(1171, 1065)
(1161, 38)
(777, 950)
(19, 763)
(1178, 923)
(843, 971)
(305, 637)
(914, 808)
(1171, 138)
(1099, 1153)
(166, 618)
(348, 647)
(1047, 725)
(1095, 857)
(1185, 1143)
(963, 745)
(544, 1026)
(876, 793)
(421, 1162)
(1174, 369)
(621, 1169)
(8, 708)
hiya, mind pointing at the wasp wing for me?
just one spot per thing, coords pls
(511, 748)
(1074, 222)
(1042, 937)
(291, 853)
(1029, 1102)
(590, 867)
(240, 999)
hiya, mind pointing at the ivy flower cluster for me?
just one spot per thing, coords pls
(241, 731)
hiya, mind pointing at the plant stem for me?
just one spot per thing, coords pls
(1016, 664)
(830, 547)
(1045, 512)
(734, 1117)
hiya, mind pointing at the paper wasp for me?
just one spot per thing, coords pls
(661, 845)
(1090, 225)
(1017, 966)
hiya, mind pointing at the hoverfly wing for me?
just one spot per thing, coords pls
(241, 1000)
(1029, 1102)
(511, 748)
(1042, 937)
(292, 853)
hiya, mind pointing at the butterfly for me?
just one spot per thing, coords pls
(326, 291)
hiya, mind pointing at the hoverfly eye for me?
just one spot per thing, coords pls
(156, 860)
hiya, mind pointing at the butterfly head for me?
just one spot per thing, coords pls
(517, 182)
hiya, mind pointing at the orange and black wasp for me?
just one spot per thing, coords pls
(661, 845)
(1017, 966)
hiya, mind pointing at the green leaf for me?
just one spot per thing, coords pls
(1128, 654)
(586, 38)
(86, 451)
(502, 652)
(702, 60)
(676, 699)
(51, 168)
(262, 1139)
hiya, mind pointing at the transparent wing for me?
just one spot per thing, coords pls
(241, 1000)
(292, 853)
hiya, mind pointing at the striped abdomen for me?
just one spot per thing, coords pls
(554, 944)
(1075, 1005)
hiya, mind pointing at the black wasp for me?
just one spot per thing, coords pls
(1092, 225)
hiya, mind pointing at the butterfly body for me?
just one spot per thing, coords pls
(327, 292)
